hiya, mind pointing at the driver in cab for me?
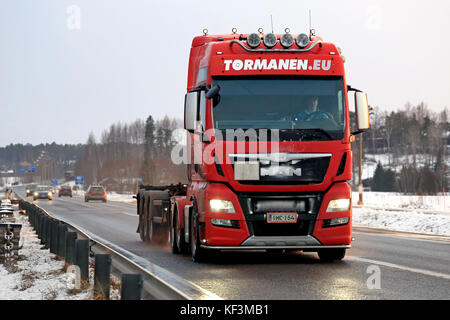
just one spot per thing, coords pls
(311, 112)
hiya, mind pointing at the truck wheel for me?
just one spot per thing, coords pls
(173, 231)
(198, 254)
(328, 255)
(181, 244)
(140, 212)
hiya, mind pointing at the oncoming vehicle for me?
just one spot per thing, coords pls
(95, 193)
(65, 191)
(30, 189)
(43, 192)
(283, 183)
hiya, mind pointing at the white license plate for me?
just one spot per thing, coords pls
(281, 217)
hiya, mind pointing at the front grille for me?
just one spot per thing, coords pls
(255, 207)
(300, 172)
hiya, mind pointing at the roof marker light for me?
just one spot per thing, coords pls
(287, 39)
(260, 30)
(234, 30)
(205, 32)
(270, 40)
(254, 40)
(302, 40)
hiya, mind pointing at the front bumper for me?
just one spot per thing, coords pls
(255, 233)
(294, 242)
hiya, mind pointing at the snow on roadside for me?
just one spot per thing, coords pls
(127, 198)
(37, 275)
(111, 196)
(402, 221)
(398, 200)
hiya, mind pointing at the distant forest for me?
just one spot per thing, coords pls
(413, 141)
(21, 156)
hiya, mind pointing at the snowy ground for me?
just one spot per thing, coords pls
(393, 211)
(40, 275)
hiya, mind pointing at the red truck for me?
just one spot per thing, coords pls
(268, 150)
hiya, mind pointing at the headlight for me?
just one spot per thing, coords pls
(335, 222)
(36, 194)
(28, 191)
(221, 206)
(225, 223)
(50, 194)
(338, 205)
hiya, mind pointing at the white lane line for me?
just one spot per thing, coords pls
(397, 266)
(405, 237)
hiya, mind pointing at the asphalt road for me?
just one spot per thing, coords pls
(381, 265)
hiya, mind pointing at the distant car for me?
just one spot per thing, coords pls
(65, 191)
(95, 193)
(30, 190)
(43, 192)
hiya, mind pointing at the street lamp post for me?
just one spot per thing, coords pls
(360, 187)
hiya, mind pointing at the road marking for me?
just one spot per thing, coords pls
(397, 266)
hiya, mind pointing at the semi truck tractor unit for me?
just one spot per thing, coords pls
(268, 149)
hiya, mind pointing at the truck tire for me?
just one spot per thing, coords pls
(198, 254)
(142, 220)
(173, 229)
(328, 255)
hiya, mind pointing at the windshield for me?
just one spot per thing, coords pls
(299, 107)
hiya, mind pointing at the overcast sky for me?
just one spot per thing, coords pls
(61, 78)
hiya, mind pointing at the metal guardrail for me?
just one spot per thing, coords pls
(156, 282)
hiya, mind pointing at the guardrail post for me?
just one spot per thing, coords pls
(38, 225)
(102, 272)
(54, 237)
(131, 286)
(61, 250)
(82, 257)
(42, 228)
(31, 216)
(48, 239)
(70, 247)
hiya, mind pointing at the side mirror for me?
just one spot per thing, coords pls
(362, 112)
(191, 111)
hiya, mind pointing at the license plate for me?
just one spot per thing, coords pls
(281, 217)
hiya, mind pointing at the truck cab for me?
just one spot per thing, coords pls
(269, 146)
